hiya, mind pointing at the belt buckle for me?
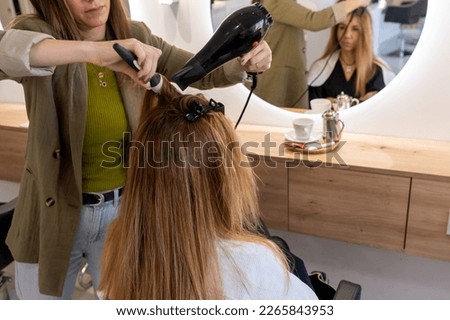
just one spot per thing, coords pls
(101, 199)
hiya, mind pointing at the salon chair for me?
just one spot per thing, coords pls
(6, 213)
(407, 13)
(316, 280)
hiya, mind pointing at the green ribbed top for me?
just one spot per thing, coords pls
(105, 126)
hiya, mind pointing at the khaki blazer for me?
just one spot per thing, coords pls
(48, 209)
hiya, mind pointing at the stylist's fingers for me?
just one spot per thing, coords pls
(149, 63)
(259, 59)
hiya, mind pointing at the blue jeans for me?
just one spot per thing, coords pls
(90, 236)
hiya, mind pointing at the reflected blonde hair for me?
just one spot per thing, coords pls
(188, 185)
(365, 59)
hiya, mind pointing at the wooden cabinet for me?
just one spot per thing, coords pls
(428, 219)
(272, 183)
(384, 192)
(341, 204)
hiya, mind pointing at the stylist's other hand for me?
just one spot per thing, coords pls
(147, 58)
(363, 3)
(258, 59)
(351, 5)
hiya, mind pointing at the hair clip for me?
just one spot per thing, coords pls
(198, 109)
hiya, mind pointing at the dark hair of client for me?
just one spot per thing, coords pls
(188, 185)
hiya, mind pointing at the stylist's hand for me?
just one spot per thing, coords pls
(258, 59)
(351, 5)
(147, 58)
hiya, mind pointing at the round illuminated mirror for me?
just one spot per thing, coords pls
(396, 28)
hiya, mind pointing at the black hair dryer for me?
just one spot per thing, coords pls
(235, 36)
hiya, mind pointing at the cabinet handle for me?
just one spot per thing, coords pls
(448, 224)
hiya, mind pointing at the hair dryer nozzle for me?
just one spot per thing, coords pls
(191, 72)
(234, 37)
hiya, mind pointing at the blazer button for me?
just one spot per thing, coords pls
(57, 154)
(50, 202)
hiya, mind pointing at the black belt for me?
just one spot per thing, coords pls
(97, 198)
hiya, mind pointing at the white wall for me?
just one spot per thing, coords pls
(186, 23)
(222, 8)
(10, 91)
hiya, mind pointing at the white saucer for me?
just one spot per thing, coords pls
(290, 136)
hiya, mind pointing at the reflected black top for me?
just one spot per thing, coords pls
(336, 83)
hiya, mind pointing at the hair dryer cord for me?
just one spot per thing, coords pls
(254, 76)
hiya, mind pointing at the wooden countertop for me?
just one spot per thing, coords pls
(13, 117)
(399, 156)
(13, 141)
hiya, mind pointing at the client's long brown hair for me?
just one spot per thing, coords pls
(188, 185)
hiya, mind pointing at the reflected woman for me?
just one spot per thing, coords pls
(349, 64)
(284, 84)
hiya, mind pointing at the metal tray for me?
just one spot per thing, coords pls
(311, 147)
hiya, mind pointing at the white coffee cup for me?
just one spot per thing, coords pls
(303, 128)
(320, 105)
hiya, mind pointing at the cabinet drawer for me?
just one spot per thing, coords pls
(273, 192)
(357, 207)
(428, 219)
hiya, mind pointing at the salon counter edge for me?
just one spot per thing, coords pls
(382, 154)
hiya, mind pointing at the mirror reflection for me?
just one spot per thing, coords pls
(349, 70)
(388, 34)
